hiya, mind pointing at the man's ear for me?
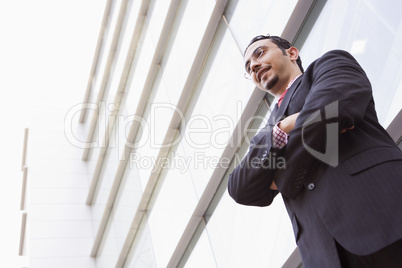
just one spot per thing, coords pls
(293, 53)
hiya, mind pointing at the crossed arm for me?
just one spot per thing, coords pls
(341, 91)
(287, 125)
(336, 77)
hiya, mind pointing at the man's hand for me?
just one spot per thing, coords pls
(273, 186)
(346, 129)
(288, 124)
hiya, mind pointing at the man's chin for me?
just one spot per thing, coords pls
(263, 86)
(271, 85)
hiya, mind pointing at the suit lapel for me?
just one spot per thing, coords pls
(278, 114)
(272, 118)
(286, 100)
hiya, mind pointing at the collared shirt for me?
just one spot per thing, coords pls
(280, 137)
(286, 90)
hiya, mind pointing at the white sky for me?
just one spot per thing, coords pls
(46, 46)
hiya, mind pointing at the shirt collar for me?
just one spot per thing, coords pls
(289, 85)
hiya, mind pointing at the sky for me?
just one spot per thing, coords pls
(46, 47)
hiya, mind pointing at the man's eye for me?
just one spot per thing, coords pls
(259, 53)
(248, 69)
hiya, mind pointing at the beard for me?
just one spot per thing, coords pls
(272, 82)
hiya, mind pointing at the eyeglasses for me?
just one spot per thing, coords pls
(247, 76)
(255, 56)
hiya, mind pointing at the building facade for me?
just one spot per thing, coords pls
(132, 171)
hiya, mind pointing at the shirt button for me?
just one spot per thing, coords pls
(311, 186)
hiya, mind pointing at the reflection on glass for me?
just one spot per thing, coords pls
(116, 137)
(192, 161)
(108, 37)
(172, 209)
(202, 254)
(109, 168)
(120, 220)
(157, 117)
(243, 236)
(141, 254)
(247, 236)
(249, 18)
(159, 10)
(361, 27)
(216, 107)
(122, 48)
(182, 50)
(144, 55)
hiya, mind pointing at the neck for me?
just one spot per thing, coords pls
(292, 77)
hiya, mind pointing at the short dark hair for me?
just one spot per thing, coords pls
(280, 42)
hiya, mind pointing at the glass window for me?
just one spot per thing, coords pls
(202, 255)
(108, 37)
(154, 126)
(117, 138)
(191, 162)
(249, 18)
(108, 172)
(215, 108)
(135, 174)
(105, 108)
(187, 32)
(130, 189)
(143, 57)
(141, 253)
(120, 219)
(213, 112)
(371, 31)
(244, 236)
(122, 49)
(170, 209)
(159, 11)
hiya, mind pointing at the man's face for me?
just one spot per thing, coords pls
(267, 66)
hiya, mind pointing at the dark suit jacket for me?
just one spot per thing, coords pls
(345, 187)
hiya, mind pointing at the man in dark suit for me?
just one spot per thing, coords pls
(341, 177)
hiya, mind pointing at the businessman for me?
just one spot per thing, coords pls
(342, 181)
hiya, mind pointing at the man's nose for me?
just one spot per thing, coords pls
(255, 66)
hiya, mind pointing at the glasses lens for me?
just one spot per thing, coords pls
(247, 76)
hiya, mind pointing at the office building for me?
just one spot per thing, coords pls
(132, 171)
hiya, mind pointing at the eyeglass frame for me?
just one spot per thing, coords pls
(255, 56)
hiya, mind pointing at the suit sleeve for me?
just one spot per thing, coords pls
(250, 181)
(339, 95)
